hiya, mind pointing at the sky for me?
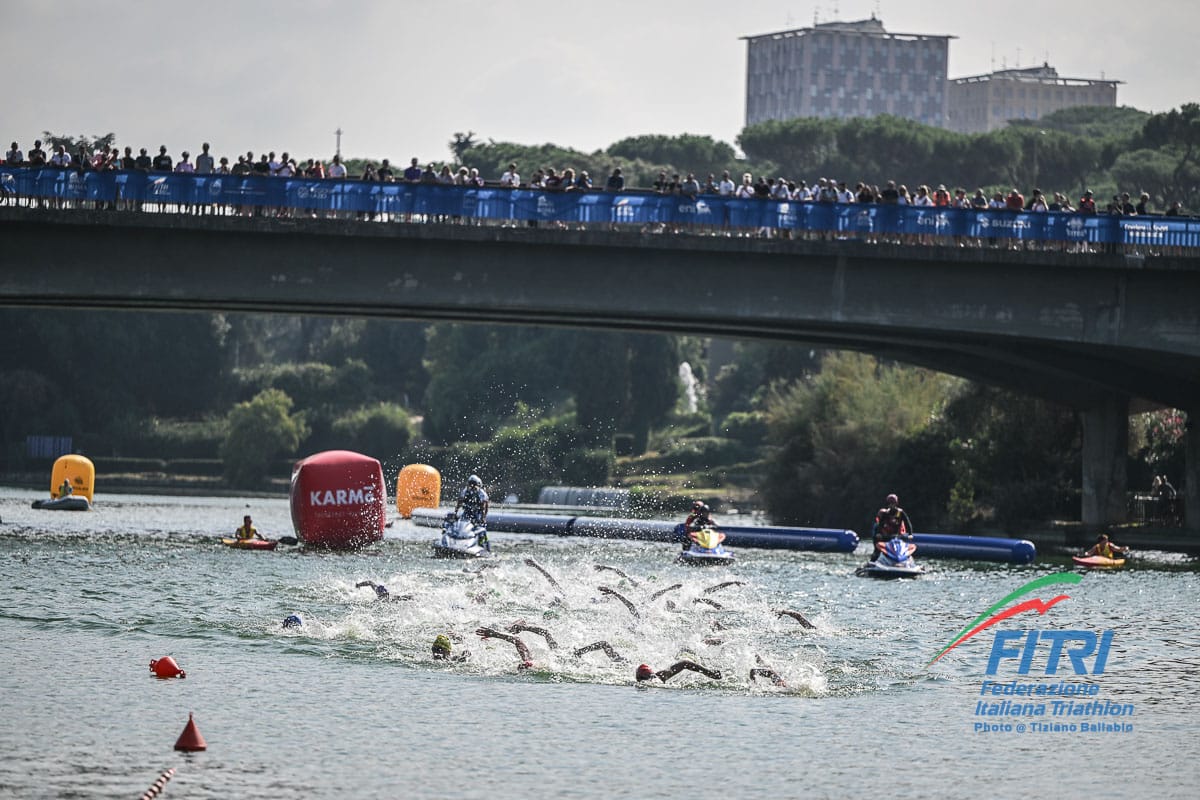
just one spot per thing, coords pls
(399, 78)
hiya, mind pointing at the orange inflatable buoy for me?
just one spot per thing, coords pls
(190, 740)
(166, 667)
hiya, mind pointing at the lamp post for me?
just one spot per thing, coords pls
(1036, 139)
(338, 148)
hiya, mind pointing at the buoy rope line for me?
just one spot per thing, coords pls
(156, 788)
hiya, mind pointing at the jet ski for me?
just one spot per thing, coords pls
(893, 560)
(706, 549)
(462, 538)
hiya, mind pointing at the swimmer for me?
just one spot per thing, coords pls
(661, 592)
(522, 648)
(764, 671)
(796, 615)
(381, 592)
(442, 650)
(293, 621)
(601, 567)
(520, 626)
(602, 645)
(613, 593)
(708, 602)
(645, 672)
(724, 585)
(530, 562)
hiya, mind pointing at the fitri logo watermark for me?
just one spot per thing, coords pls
(1042, 680)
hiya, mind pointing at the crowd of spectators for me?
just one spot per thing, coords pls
(821, 190)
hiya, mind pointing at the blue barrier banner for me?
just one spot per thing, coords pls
(437, 202)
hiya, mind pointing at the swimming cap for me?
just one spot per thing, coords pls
(292, 621)
(644, 672)
(441, 644)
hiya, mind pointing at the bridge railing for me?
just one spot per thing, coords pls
(422, 202)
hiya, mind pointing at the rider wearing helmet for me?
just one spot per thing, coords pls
(890, 521)
(700, 518)
(473, 501)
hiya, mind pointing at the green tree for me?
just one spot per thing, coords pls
(260, 431)
(841, 435)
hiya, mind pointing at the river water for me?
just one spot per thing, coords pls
(352, 703)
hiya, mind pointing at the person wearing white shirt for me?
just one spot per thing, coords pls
(336, 168)
(14, 157)
(726, 187)
(511, 179)
(184, 165)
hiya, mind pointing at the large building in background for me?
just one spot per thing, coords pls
(846, 69)
(983, 103)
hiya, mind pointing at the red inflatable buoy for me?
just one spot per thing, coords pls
(338, 500)
(190, 740)
(166, 667)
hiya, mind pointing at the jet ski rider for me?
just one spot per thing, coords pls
(890, 521)
(699, 519)
(473, 501)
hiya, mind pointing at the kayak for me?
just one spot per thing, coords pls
(250, 544)
(1098, 562)
(66, 503)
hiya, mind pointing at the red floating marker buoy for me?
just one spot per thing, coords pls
(190, 740)
(166, 667)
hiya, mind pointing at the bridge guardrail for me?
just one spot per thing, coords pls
(136, 189)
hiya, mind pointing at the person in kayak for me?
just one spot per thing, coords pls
(890, 521)
(473, 502)
(247, 531)
(1104, 547)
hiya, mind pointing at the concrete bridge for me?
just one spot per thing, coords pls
(1096, 332)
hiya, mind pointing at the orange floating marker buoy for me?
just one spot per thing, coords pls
(166, 667)
(190, 740)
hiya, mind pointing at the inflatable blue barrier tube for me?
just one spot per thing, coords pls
(974, 548)
(826, 540)
(775, 538)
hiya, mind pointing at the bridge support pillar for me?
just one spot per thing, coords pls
(1105, 443)
(1191, 471)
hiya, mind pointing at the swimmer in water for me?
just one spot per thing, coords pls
(381, 592)
(522, 649)
(645, 672)
(764, 671)
(442, 648)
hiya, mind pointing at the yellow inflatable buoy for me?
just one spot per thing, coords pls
(417, 486)
(73, 476)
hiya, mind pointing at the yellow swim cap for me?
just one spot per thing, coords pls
(441, 644)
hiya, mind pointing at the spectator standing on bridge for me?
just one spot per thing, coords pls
(615, 182)
(37, 156)
(204, 161)
(185, 165)
(60, 157)
(1142, 205)
(1087, 203)
(1015, 200)
(162, 162)
(510, 178)
(14, 157)
(412, 173)
(336, 169)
